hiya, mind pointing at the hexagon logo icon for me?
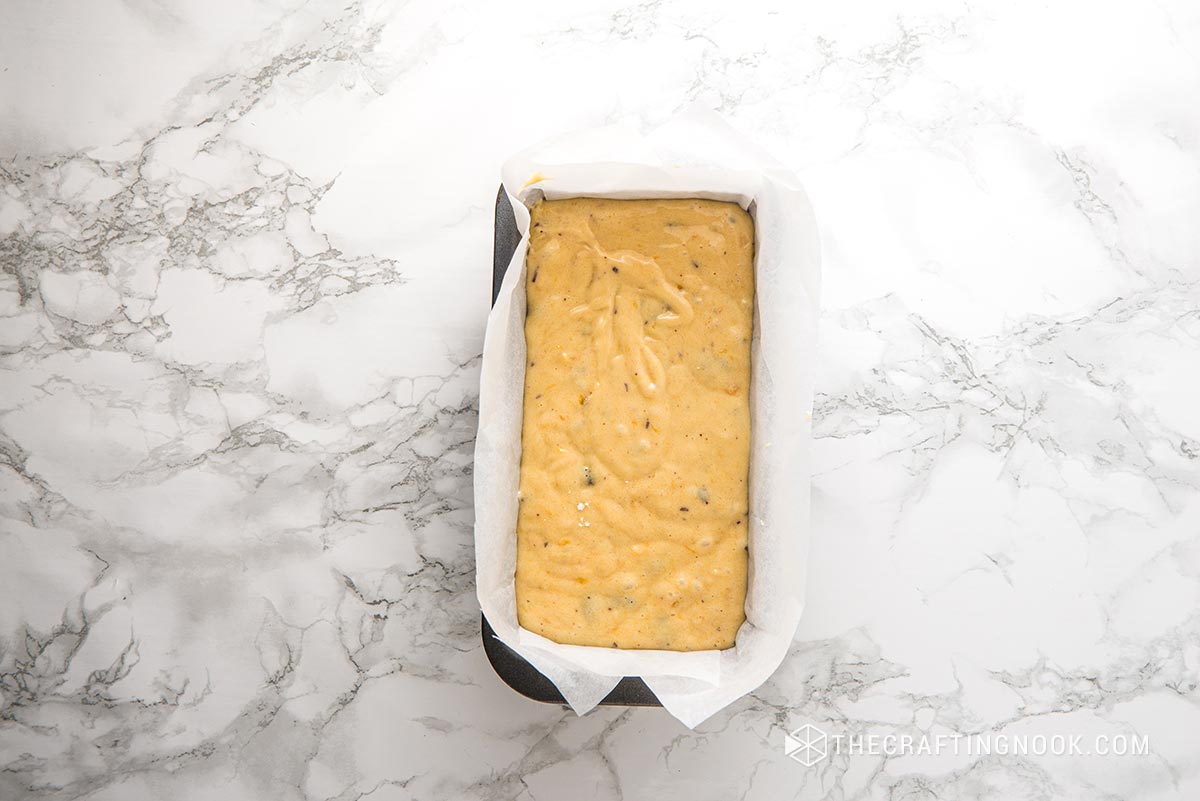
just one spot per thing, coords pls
(808, 745)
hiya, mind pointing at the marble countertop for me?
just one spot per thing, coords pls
(246, 253)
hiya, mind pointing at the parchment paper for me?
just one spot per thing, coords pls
(695, 154)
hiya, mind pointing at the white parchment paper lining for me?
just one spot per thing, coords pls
(694, 155)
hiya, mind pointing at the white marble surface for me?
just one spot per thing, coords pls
(245, 251)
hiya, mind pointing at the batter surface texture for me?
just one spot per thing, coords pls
(636, 435)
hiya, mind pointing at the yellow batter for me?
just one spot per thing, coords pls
(636, 437)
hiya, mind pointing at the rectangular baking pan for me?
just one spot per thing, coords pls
(508, 664)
